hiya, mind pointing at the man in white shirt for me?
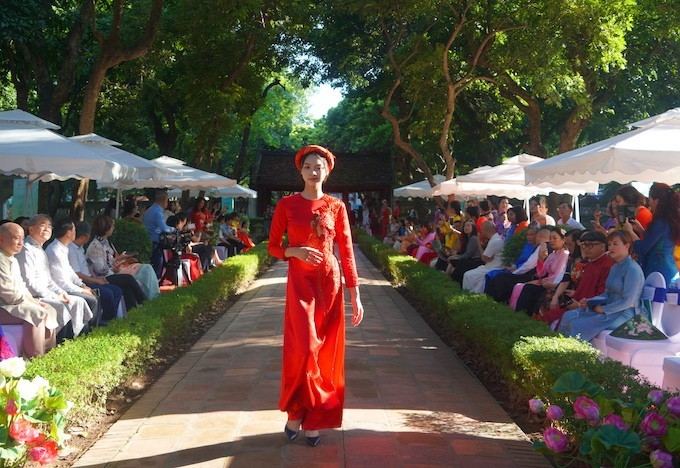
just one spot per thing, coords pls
(60, 268)
(474, 280)
(35, 271)
(17, 305)
(564, 210)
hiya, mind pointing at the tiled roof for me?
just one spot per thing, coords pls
(275, 170)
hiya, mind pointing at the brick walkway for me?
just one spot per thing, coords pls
(410, 401)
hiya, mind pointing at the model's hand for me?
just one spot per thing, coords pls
(357, 306)
(310, 256)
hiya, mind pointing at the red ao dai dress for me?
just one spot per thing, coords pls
(313, 372)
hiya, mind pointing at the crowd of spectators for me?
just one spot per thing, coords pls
(578, 280)
(60, 279)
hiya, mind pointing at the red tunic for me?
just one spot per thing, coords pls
(313, 373)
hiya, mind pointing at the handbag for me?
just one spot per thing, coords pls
(638, 328)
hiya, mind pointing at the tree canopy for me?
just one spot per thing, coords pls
(442, 85)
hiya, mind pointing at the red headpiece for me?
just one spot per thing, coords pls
(320, 150)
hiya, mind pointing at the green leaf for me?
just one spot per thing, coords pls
(4, 433)
(609, 437)
(56, 403)
(587, 442)
(672, 439)
(12, 453)
(540, 447)
(575, 383)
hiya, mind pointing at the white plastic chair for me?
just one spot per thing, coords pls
(671, 373)
(648, 356)
(655, 286)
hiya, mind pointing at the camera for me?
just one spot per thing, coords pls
(625, 212)
(176, 241)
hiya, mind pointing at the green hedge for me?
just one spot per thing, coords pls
(132, 236)
(526, 353)
(88, 368)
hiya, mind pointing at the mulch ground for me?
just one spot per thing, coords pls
(131, 390)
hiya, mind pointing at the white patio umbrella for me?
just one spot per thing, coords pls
(420, 189)
(238, 191)
(187, 177)
(28, 148)
(144, 169)
(650, 153)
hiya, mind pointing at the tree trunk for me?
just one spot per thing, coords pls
(571, 130)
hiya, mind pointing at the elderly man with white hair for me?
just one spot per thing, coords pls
(35, 269)
(17, 305)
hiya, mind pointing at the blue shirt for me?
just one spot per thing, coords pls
(154, 222)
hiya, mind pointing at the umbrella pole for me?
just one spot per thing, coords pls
(27, 189)
(119, 194)
(577, 209)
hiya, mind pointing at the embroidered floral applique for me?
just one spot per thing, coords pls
(322, 227)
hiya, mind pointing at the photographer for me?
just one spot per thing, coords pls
(188, 242)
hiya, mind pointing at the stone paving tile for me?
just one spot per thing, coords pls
(410, 402)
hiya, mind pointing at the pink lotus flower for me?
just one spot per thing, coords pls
(45, 453)
(616, 421)
(655, 396)
(554, 412)
(555, 440)
(654, 424)
(536, 406)
(11, 407)
(661, 459)
(587, 409)
(674, 406)
(23, 432)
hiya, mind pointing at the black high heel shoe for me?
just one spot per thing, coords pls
(313, 441)
(291, 434)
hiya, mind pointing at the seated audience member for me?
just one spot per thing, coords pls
(500, 286)
(106, 260)
(23, 222)
(35, 270)
(528, 249)
(61, 271)
(244, 236)
(473, 212)
(565, 211)
(474, 280)
(593, 246)
(611, 223)
(572, 273)
(628, 196)
(424, 241)
(550, 270)
(392, 232)
(655, 248)
(500, 218)
(470, 253)
(228, 236)
(518, 220)
(620, 300)
(205, 252)
(17, 305)
(451, 226)
(115, 284)
(538, 206)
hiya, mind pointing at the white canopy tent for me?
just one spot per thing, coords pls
(28, 148)
(650, 153)
(420, 189)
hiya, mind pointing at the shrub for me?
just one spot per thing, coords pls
(132, 236)
(526, 353)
